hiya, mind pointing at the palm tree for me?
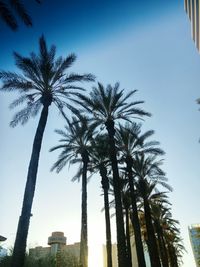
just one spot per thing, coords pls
(107, 105)
(43, 81)
(8, 10)
(175, 248)
(160, 212)
(131, 142)
(99, 162)
(158, 202)
(145, 169)
(167, 233)
(170, 234)
(76, 146)
(105, 187)
(126, 205)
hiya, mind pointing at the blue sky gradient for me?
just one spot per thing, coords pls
(145, 46)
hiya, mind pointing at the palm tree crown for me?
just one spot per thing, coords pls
(76, 140)
(109, 103)
(43, 80)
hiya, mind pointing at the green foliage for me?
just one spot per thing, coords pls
(65, 259)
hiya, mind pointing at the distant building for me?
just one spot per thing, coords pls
(58, 243)
(194, 232)
(133, 255)
(192, 8)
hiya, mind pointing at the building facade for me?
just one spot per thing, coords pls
(57, 243)
(194, 232)
(192, 8)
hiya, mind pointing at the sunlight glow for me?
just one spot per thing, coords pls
(96, 237)
(95, 255)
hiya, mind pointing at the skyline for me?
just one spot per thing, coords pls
(155, 55)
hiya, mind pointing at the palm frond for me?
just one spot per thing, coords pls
(21, 11)
(7, 16)
(22, 116)
(73, 77)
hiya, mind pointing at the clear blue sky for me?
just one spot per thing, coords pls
(146, 46)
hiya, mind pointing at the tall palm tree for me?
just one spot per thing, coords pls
(76, 146)
(170, 234)
(99, 162)
(105, 187)
(126, 205)
(158, 202)
(131, 142)
(160, 212)
(145, 169)
(167, 232)
(12, 8)
(107, 105)
(43, 81)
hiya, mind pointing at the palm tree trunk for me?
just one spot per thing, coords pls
(121, 239)
(128, 242)
(162, 247)
(165, 252)
(152, 244)
(105, 186)
(172, 256)
(84, 234)
(24, 220)
(135, 218)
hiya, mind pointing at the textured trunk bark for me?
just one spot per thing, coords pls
(84, 235)
(162, 248)
(128, 242)
(24, 220)
(105, 186)
(152, 244)
(172, 256)
(165, 252)
(121, 239)
(135, 218)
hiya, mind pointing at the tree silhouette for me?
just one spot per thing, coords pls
(76, 146)
(100, 162)
(106, 106)
(145, 169)
(43, 81)
(130, 142)
(10, 10)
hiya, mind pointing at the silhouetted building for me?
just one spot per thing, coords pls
(58, 243)
(194, 232)
(192, 8)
